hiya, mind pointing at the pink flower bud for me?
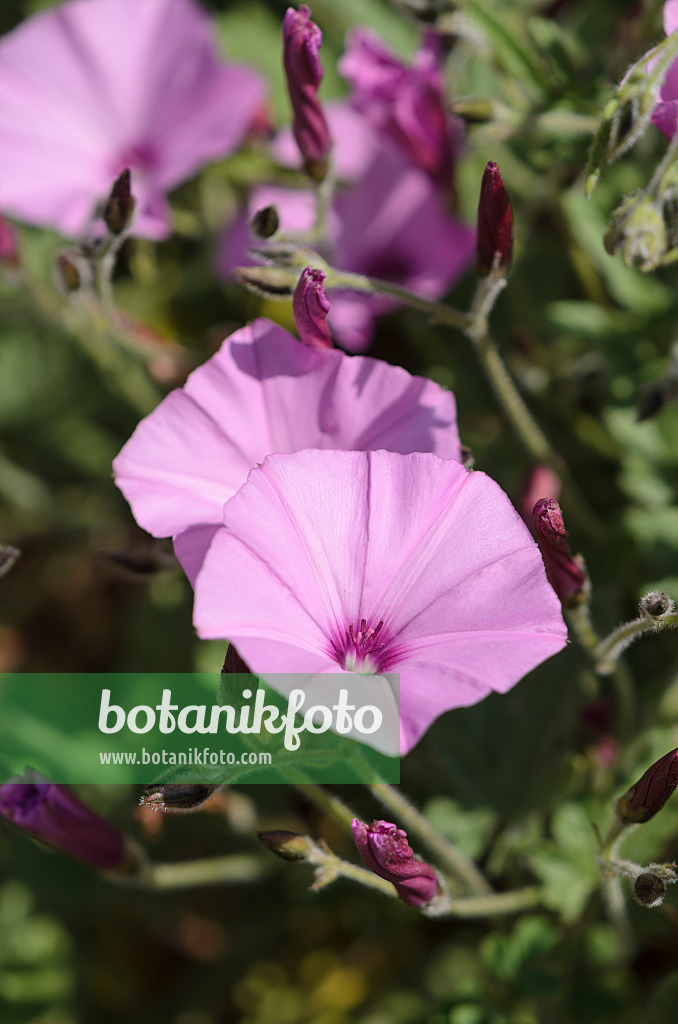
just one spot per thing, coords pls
(9, 250)
(301, 43)
(564, 571)
(54, 815)
(642, 801)
(385, 851)
(541, 482)
(311, 306)
(495, 224)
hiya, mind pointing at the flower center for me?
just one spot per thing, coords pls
(363, 647)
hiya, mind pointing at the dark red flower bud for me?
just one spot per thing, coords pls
(564, 571)
(119, 207)
(301, 45)
(288, 845)
(642, 801)
(54, 815)
(311, 306)
(9, 249)
(385, 851)
(495, 224)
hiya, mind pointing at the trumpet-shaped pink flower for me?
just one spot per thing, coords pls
(375, 562)
(265, 392)
(406, 104)
(390, 224)
(91, 87)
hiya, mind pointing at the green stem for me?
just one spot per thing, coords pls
(608, 651)
(613, 892)
(233, 869)
(436, 310)
(492, 905)
(327, 802)
(625, 702)
(449, 856)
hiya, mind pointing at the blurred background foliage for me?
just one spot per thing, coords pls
(515, 781)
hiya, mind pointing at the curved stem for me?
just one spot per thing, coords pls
(449, 856)
(229, 870)
(492, 905)
(359, 283)
(327, 802)
(609, 650)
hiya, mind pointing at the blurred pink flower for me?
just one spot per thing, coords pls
(407, 104)
(265, 392)
(385, 851)
(390, 224)
(90, 87)
(375, 562)
(665, 113)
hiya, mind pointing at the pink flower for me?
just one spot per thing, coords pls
(301, 44)
(376, 562)
(311, 307)
(54, 815)
(406, 104)
(391, 224)
(385, 851)
(91, 87)
(665, 113)
(264, 392)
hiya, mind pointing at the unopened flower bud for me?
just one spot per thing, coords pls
(271, 282)
(385, 851)
(643, 800)
(564, 571)
(176, 797)
(55, 816)
(655, 604)
(9, 249)
(71, 272)
(288, 845)
(541, 482)
(638, 230)
(234, 664)
(8, 558)
(649, 890)
(301, 44)
(119, 207)
(311, 306)
(265, 222)
(495, 224)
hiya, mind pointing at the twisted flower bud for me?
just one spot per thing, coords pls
(301, 42)
(649, 794)
(311, 306)
(55, 816)
(495, 224)
(564, 571)
(385, 851)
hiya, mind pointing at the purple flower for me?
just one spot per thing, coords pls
(495, 224)
(644, 799)
(301, 43)
(264, 392)
(385, 851)
(406, 104)
(376, 562)
(54, 815)
(91, 87)
(311, 307)
(565, 573)
(390, 224)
